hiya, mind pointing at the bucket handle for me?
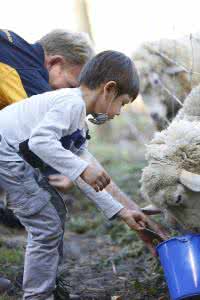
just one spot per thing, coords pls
(182, 239)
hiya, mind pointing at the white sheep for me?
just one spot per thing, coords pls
(171, 181)
(165, 74)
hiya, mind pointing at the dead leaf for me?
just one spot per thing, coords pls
(116, 298)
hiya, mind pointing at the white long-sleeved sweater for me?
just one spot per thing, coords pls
(54, 124)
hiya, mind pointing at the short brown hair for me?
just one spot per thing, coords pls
(111, 66)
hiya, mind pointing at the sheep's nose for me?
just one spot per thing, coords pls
(155, 116)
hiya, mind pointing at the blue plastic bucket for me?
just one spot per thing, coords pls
(180, 259)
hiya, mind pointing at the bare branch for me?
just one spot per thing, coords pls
(170, 93)
(161, 54)
(191, 71)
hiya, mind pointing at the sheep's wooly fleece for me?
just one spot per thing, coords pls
(191, 108)
(173, 149)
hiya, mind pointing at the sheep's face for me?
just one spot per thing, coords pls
(170, 196)
(161, 83)
(178, 195)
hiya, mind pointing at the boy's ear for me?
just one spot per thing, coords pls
(110, 88)
(54, 60)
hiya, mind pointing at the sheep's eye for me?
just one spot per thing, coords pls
(179, 199)
(156, 81)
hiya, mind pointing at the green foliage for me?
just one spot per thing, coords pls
(121, 163)
(6, 297)
(83, 224)
(121, 233)
(10, 256)
(10, 260)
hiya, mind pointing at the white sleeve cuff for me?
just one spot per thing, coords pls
(103, 200)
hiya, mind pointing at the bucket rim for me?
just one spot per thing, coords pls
(187, 295)
(180, 237)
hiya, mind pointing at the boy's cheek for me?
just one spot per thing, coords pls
(111, 115)
(112, 112)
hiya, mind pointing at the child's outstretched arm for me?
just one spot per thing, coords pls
(133, 218)
(111, 208)
(129, 205)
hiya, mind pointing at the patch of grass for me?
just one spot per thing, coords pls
(83, 224)
(121, 163)
(10, 256)
(6, 297)
(10, 260)
(121, 233)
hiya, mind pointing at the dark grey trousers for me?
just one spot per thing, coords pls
(42, 211)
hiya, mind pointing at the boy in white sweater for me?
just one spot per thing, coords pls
(53, 126)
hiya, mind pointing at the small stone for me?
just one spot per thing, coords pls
(5, 285)
(74, 297)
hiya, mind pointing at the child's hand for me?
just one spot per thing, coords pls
(95, 177)
(61, 182)
(134, 219)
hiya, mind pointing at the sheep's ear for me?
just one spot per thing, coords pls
(151, 210)
(174, 70)
(190, 180)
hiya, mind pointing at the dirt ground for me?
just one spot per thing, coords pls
(96, 267)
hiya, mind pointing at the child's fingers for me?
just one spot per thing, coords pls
(104, 181)
(139, 216)
(60, 181)
(131, 222)
(96, 178)
(135, 220)
(100, 184)
(105, 178)
(142, 224)
(53, 177)
(58, 177)
(95, 187)
(137, 226)
(108, 180)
